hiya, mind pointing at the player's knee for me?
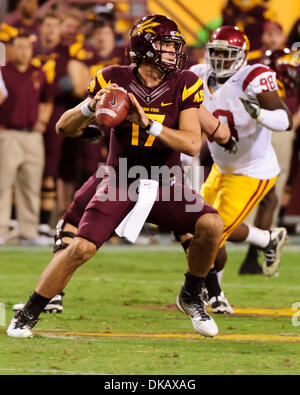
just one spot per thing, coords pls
(221, 259)
(81, 250)
(270, 201)
(65, 233)
(209, 226)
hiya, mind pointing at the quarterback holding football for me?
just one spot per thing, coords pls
(163, 121)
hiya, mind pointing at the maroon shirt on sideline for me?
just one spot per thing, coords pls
(25, 91)
(116, 57)
(32, 30)
(54, 62)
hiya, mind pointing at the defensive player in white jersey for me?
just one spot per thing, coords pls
(245, 97)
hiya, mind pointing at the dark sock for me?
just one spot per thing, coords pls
(45, 216)
(281, 215)
(193, 284)
(36, 304)
(13, 212)
(252, 254)
(186, 244)
(212, 284)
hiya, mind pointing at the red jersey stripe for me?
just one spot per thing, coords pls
(254, 73)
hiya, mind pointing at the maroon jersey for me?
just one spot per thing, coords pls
(83, 51)
(116, 57)
(25, 91)
(54, 63)
(30, 30)
(163, 103)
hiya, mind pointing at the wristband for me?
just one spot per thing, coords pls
(155, 128)
(86, 110)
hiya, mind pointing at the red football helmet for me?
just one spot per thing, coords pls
(147, 37)
(227, 51)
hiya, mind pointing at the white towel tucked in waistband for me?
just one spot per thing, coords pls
(132, 224)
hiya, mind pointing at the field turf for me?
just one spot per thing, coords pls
(120, 318)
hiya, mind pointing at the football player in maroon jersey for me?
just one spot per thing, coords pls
(163, 123)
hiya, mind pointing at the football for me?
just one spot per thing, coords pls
(113, 107)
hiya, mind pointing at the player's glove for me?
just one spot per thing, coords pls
(231, 145)
(92, 133)
(252, 107)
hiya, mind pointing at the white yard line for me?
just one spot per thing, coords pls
(46, 371)
(162, 282)
(293, 248)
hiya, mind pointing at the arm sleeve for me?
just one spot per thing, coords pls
(101, 79)
(192, 94)
(263, 79)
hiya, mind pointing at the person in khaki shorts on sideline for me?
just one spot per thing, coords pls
(23, 118)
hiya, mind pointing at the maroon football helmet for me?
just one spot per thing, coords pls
(282, 61)
(147, 37)
(227, 51)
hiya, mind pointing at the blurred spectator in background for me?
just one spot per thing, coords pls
(106, 53)
(72, 35)
(82, 52)
(272, 39)
(249, 16)
(69, 78)
(23, 119)
(103, 38)
(7, 34)
(25, 18)
(294, 35)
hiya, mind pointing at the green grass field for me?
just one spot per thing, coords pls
(127, 290)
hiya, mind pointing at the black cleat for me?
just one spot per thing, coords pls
(193, 306)
(21, 324)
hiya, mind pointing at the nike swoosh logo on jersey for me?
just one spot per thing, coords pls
(113, 103)
(165, 104)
